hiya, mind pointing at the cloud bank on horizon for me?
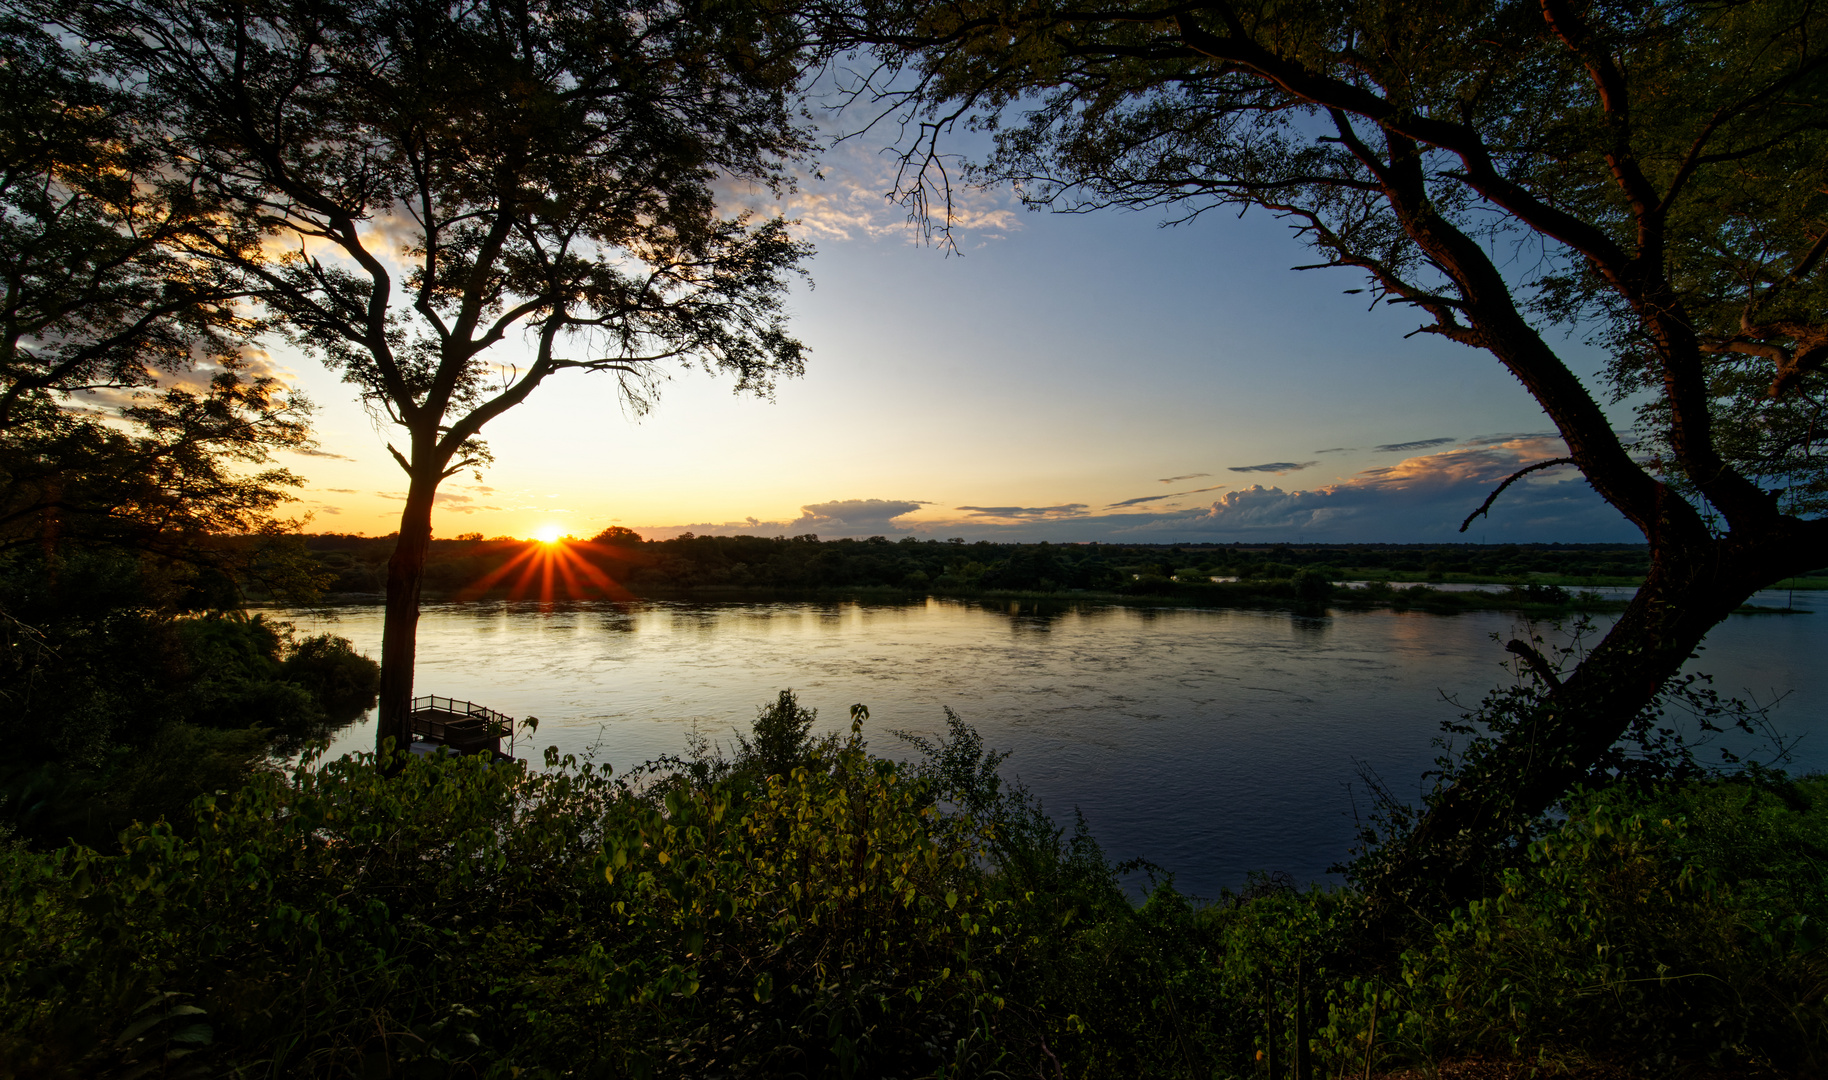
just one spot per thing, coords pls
(1419, 499)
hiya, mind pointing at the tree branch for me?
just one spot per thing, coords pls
(1508, 481)
(1534, 660)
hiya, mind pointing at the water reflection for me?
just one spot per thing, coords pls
(1212, 742)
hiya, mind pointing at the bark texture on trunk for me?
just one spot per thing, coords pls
(399, 634)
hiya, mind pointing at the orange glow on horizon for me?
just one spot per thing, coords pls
(548, 534)
(556, 569)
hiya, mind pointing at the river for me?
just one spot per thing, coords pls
(1210, 742)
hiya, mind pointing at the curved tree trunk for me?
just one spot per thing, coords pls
(1688, 591)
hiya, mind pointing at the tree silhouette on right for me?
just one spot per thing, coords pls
(1659, 165)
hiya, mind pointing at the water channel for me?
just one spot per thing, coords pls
(1211, 742)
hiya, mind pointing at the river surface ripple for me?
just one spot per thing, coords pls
(1211, 742)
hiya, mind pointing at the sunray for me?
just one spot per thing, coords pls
(554, 571)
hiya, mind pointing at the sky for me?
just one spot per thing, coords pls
(1058, 377)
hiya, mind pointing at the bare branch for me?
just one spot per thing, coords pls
(1512, 479)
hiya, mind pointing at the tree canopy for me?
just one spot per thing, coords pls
(413, 186)
(1645, 175)
(100, 299)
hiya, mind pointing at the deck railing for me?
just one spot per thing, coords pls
(499, 724)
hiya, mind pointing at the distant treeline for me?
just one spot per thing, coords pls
(472, 565)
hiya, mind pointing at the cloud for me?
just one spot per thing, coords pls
(312, 451)
(1188, 476)
(1509, 436)
(837, 518)
(459, 504)
(1416, 444)
(1421, 499)
(1026, 513)
(341, 491)
(451, 501)
(1157, 498)
(1336, 450)
(862, 516)
(1277, 467)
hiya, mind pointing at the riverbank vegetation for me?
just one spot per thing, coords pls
(618, 564)
(132, 685)
(812, 907)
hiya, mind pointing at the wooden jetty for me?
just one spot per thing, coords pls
(462, 726)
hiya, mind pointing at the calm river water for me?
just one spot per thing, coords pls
(1213, 743)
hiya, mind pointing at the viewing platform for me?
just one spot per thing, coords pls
(462, 726)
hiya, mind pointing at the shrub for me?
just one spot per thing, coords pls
(344, 682)
(852, 916)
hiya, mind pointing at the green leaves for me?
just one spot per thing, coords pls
(465, 916)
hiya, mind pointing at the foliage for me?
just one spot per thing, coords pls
(1639, 931)
(470, 914)
(100, 301)
(328, 667)
(859, 917)
(91, 209)
(781, 736)
(124, 701)
(543, 170)
(826, 922)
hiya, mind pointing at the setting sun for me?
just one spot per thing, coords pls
(548, 534)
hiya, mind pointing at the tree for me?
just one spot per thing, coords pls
(98, 297)
(413, 183)
(176, 477)
(1661, 162)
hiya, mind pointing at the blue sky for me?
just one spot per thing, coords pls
(1059, 377)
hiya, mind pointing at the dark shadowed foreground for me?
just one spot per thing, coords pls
(809, 909)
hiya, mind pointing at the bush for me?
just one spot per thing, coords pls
(344, 683)
(468, 915)
(782, 737)
(121, 705)
(852, 916)
(1630, 937)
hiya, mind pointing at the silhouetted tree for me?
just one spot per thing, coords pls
(413, 183)
(99, 296)
(1661, 162)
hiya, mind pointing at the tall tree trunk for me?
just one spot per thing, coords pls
(1689, 590)
(399, 633)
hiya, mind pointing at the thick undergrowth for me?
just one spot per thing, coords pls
(808, 908)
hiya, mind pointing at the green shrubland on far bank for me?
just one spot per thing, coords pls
(623, 565)
(357, 564)
(812, 907)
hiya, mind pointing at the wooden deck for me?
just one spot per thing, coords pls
(464, 726)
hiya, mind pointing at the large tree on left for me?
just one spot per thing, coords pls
(452, 202)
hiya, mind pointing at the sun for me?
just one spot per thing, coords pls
(548, 534)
